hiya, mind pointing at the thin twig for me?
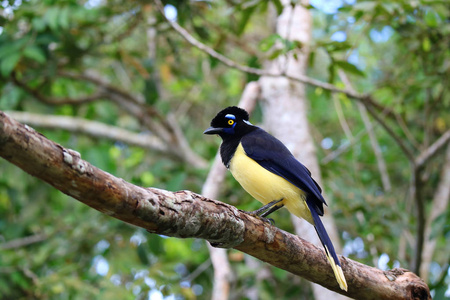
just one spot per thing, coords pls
(232, 64)
(200, 269)
(408, 153)
(341, 117)
(428, 153)
(164, 129)
(22, 242)
(407, 132)
(381, 163)
(57, 101)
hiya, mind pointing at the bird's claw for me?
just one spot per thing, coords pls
(267, 220)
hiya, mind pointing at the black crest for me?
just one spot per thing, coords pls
(238, 112)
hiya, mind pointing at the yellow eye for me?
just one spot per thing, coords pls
(230, 122)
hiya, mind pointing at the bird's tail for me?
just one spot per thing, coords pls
(329, 249)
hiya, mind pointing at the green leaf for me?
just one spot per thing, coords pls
(278, 6)
(142, 254)
(390, 7)
(367, 6)
(34, 53)
(8, 63)
(334, 46)
(147, 179)
(346, 66)
(64, 20)
(426, 44)
(11, 98)
(312, 56)
(3, 21)
(267, 43)
(9, 47)
(431, 18)
(52, 18)
(246, 14)
(38, 24)
(276, 53)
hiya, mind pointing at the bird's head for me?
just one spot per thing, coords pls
(231, 121)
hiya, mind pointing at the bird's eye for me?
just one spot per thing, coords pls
(230, 122)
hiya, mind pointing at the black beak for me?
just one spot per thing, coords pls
(213, 130)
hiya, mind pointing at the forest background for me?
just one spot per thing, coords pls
(133, 91)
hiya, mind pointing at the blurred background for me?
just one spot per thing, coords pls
(121, 84)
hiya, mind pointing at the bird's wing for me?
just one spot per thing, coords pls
(273, 155)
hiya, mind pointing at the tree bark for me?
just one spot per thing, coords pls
(185, 214)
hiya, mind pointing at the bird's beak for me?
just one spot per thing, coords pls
(213, 130)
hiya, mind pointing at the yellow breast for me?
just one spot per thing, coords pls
(266, 186)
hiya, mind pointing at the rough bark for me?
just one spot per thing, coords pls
(185, 214)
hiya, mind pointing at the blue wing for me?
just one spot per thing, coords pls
(273, 155)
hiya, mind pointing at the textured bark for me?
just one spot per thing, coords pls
(185, 214)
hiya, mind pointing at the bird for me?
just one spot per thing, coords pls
(268, 171)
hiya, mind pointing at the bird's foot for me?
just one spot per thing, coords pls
(267, 220)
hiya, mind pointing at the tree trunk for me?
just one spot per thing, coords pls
(285, 115)
(440, 204)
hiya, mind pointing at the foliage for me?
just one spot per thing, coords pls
(396, 51)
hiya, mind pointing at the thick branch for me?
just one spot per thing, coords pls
(185, 214)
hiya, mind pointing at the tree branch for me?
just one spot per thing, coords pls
(91, 128)
(232, 64)
(167, 130)
(185, 214)
(417, 187)
(428, 153)
(373, 139)
(25, 241)
(441, 201)
(408, 153)
(57, 101)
